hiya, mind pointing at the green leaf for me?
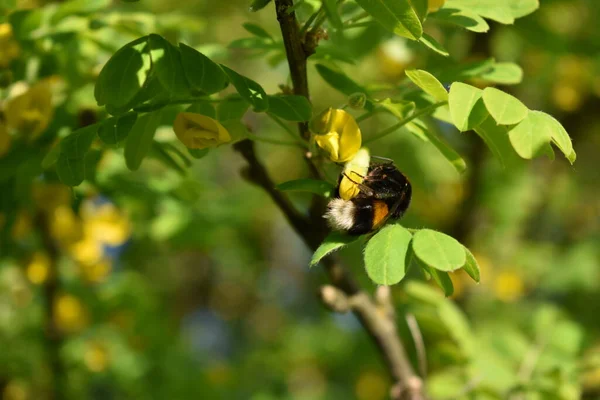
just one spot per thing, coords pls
(428, 83)
(168, 66)
(315, 186)
(504, 73)
(250, 91)
(332, 14)
(505, 11)
(434, 45)
(201, 72)
(115, 129)
(466, 106)
(198, 153)
(447, 151)
(257, 30)
(290, 108)
(341, 82)
(398, 108)
(257, 5)
(70, 171)
(504, 108)
(442, 278)
(560, 137)
(463, 18)
(386, 255)
(51, 157)
(420, 7)
(438, 250)
(496, 138)
(78, 143)
(140, 138)
(334, 241)
(530, 136)
(123, 75)
(395, 15)
(471, 267)
(232, 108)
(90, 164)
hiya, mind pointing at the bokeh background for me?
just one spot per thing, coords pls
(157, 284)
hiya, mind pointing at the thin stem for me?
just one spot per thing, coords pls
(310, 20)
(393, 128)
(368, 114)
(287, 129)
(174, 149)
(358, 25)
(156, 106)
(358, 17)
(274, 141)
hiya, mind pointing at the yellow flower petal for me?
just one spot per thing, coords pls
(355, 169)
(342, 139)
(29, 113)
(197, 131)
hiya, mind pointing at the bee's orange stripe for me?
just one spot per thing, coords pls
(380, 212)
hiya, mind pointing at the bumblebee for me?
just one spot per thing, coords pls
(383, 194)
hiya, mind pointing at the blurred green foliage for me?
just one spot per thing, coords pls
(177, 282)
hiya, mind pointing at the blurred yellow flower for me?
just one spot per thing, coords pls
(87, 251)
(106, 224)
(508, 286)
(22, 226)
(566, 96)
(49, 196)
(4, 139)
(69, 313)
(434, 5)
(65, 227)
(29, 113)
(354, 172)
(9, 48)
(393, 57)
(338, 134)
(15, 390)
(38, 268)
(197, 131)
(96, 356)
(97, 272)
(371, 386)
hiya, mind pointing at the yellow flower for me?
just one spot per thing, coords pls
(338, 134)
(96, 356)
(29, 113)
(435, 5)
(38, 268)
(9, 48)
(106, 224)
(69, 313)
(354, 172)
(509, 286)
(197, 131)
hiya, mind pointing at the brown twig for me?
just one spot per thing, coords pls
(377, 317)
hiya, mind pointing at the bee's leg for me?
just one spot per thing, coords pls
(387, 160)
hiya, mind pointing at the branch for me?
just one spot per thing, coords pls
(377, 317)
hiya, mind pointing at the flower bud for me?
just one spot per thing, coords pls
(30, 112)
(357, 100)
(197, 131)
(337, 133)
(354, 172)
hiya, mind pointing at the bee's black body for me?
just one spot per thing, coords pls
(384, 193)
